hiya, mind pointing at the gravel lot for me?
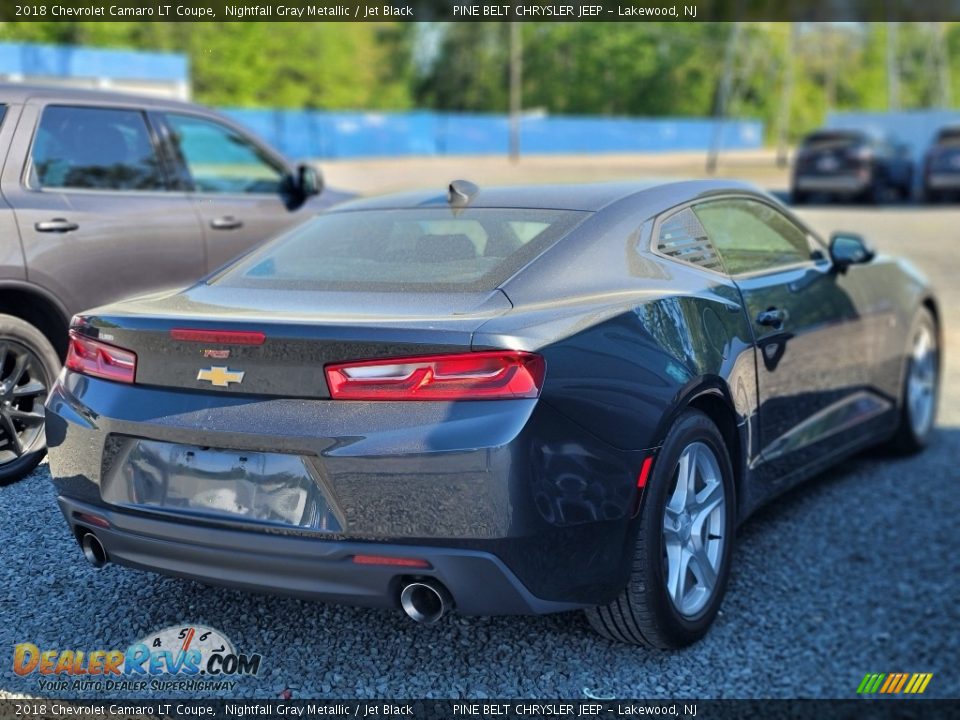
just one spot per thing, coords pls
(856, 572)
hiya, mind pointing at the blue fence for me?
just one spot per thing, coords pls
(69, 61)
(323, 134)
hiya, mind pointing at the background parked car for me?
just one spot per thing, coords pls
(105, 196)
(852, 165)
(941, 167)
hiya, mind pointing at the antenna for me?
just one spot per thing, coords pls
(461, 192)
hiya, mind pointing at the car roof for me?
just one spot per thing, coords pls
(21, 92)
(589, 197)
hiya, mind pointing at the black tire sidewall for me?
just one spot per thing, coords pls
(16, 330)
(691, 426)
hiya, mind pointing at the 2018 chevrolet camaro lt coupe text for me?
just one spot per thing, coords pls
(518, 400)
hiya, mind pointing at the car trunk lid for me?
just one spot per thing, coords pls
(276, 342)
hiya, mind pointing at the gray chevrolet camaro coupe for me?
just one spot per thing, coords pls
(518, 400)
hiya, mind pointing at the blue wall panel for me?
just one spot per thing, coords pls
(322, 134)
(71, 61)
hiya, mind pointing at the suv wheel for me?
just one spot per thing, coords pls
(682, 556)
(28, 367)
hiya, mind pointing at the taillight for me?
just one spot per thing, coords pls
(98, 359)
(488, 375)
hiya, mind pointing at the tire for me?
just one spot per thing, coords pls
(798, 197)
(876, 193)
(645, 613)
(28, 368)
(921, 385)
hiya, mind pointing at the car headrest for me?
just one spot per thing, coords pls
(445, 248)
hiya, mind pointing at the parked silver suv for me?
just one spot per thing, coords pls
(104, 196)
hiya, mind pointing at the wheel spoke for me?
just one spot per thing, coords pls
(31, 389)
(678, 562)
(10, 432)
(685, 471)
(703, 570)
(708, 500)
(29, 419)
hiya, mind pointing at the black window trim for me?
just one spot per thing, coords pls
(690, 204)
(168, 184)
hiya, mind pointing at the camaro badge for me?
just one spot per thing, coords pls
(220, 376)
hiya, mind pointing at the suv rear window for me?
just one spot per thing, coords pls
(94, 148)
(423, 248)
(949, 136)
(834, 140)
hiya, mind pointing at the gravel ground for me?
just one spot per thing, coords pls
(856, 572)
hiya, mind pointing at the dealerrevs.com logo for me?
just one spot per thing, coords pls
(181, 657)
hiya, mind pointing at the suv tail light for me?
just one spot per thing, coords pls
(489, 375)
(98, 359)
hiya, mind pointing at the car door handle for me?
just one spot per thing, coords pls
(227, 222)
(57, 225)
(772, 317)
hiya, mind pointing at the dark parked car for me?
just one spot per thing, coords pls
(103, 196)
(941, 169)
(517, 400)
(851, 165)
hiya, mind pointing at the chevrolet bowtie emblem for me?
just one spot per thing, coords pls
(220, 376)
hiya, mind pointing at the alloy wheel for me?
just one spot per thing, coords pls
(693, 529)
(23, 389)
(922, 381)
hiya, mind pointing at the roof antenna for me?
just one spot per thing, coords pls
(461, 192)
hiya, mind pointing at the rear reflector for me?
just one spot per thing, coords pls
(219, 337)
(90, 519)
(392, 561)
(98, 359)
(644, 472)
(488, 375)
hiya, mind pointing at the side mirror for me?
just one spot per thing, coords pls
(848, 249)
(309, 180)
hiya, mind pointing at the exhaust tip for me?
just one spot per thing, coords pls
(424, 602)
(93, 550)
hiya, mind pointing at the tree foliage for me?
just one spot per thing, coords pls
(636, 69)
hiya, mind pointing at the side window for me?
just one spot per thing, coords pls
(222, 161)
(682, 237)
(94, 149)
(752, 236)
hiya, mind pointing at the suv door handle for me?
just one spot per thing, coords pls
(772, 317)
(227, 222)
(57, 225)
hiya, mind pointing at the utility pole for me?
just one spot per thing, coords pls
(786, 98)
(720, 109)
(893, 68)
(943, 65)
(516, 89)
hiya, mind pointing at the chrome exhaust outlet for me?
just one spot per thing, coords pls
(425, 601)
(93, 550)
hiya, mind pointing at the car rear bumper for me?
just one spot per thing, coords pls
(478, 582)
(513, 506)
(943, 181)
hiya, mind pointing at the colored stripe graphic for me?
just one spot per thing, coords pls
(894, 683)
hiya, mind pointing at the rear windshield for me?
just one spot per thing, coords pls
(421, 248)
(834, 140)
(949, 136)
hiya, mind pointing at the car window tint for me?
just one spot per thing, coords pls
(429, 248)
(94, 148)
(682, 237)
(752, 236)
(221, 160)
